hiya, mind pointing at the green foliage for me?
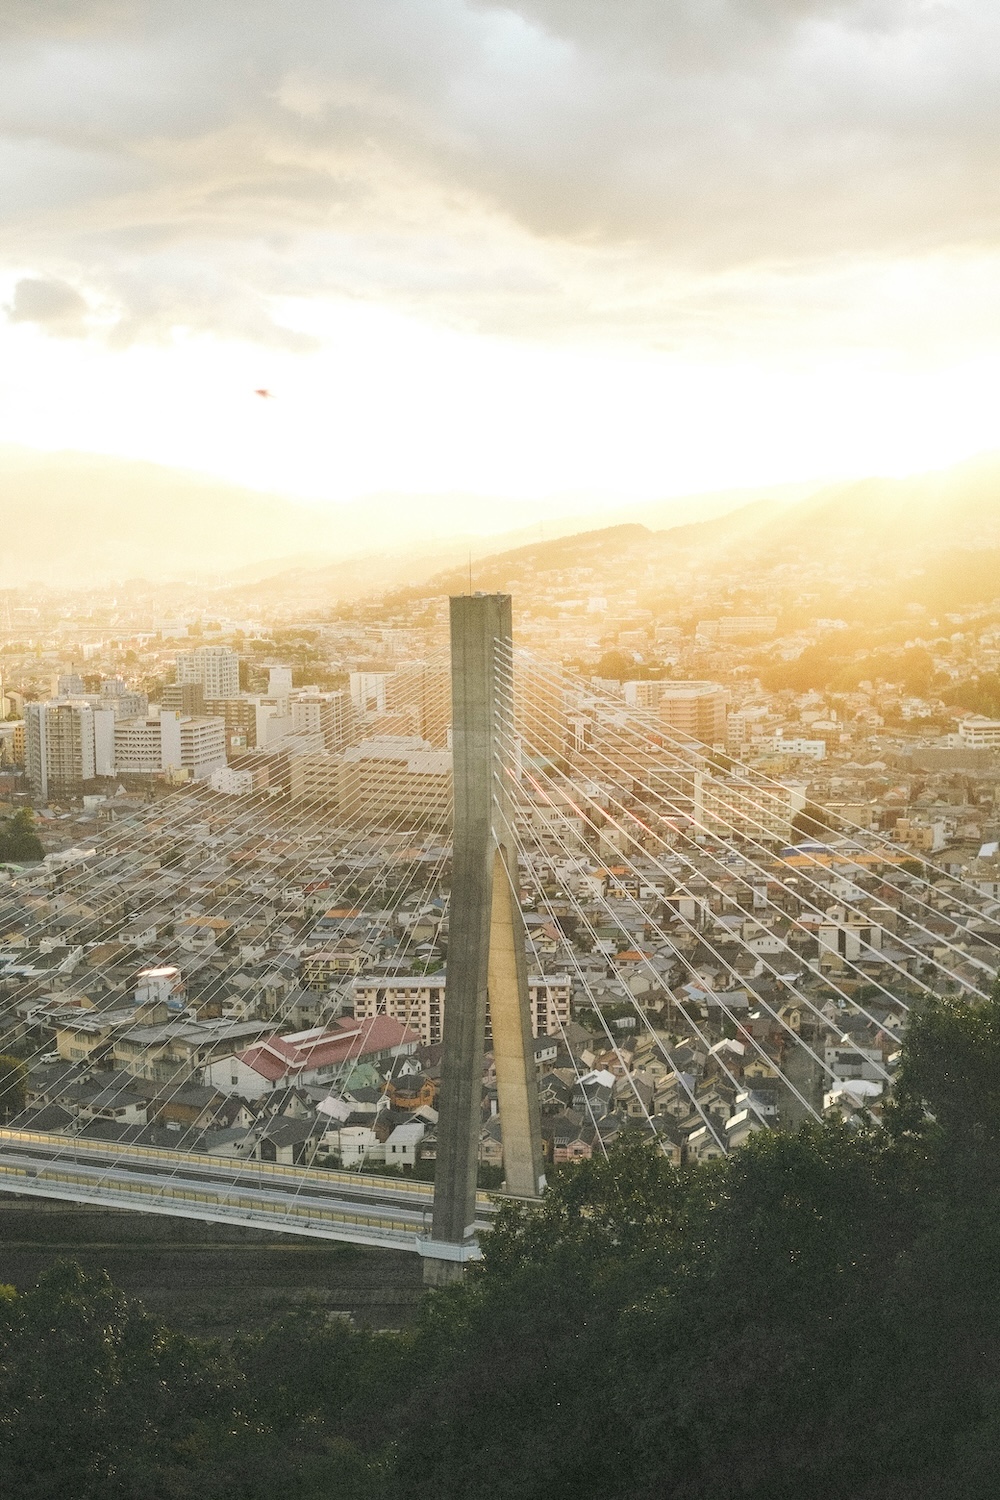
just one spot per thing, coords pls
(813, 1307)
(13, 1085)
(98, 1400)
(846, 659)
(977, 695)
(814, 822)
(617, 666)
(19, 842)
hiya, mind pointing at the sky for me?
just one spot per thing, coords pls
(547, 250)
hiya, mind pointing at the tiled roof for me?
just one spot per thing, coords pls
(283, 1057)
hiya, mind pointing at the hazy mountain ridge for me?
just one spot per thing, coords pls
(81, 520)
(933, 539)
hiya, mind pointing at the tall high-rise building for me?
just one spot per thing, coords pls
(67, 743)
(694, 709)
(329, 714)
(422, 689)
(215, 667)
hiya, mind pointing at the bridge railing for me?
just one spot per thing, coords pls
(321, 1176)
(220, 1200)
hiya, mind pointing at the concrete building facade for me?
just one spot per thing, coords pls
(696, 710)
(216, 668)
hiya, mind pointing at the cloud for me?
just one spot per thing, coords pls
(542, 165)
(53, 305)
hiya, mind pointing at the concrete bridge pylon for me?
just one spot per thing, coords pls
(486, 945)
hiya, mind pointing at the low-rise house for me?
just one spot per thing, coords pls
(179, 1049)
(403, 1144)
(293, 1143)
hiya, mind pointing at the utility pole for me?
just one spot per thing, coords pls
(486, 950)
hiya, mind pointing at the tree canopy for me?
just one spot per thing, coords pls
(19, 843)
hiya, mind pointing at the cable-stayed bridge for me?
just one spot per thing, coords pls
(733, 975)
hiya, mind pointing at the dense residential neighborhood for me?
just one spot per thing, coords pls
(233, 937)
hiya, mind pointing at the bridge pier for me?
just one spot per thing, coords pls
(486, 951)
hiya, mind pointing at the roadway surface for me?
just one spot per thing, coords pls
(338, 1205)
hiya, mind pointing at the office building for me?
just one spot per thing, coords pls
(422, 690)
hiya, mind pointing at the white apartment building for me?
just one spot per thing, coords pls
(139, 744)
(203, 746)
(169, 741)
(216, 668)
(643, 694)
(67, 743)
(795, 745)
(368, 691)
(418, 1002)
(979, 733)
(314, 778)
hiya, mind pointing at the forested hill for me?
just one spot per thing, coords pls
(815, 1315)
(868, 549)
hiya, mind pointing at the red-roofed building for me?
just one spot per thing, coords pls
(319, 1055)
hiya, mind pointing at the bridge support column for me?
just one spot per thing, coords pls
(485, 945)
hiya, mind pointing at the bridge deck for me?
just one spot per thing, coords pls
(359, 1208)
